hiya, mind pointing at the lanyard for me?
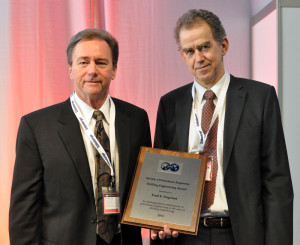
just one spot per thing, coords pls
(90, 134)
(217, 111)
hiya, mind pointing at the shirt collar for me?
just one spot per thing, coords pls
(217, 88)
(87, 111)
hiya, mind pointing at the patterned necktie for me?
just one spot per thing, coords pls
(106, 224)
(210, 147)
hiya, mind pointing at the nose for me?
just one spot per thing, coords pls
(92, 69)
(199, 56)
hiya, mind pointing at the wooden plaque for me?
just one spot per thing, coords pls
(167, 188)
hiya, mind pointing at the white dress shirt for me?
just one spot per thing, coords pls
(108, 110)
(220, 206)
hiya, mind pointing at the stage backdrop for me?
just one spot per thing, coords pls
(33, 64)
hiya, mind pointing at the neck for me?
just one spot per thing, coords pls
(209, 84)
(93, 101)
(96, 104)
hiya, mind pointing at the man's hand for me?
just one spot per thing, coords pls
(166, 233)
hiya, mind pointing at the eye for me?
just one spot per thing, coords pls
(189, 52)
(205, 48)
(82, 63)
(101, 63)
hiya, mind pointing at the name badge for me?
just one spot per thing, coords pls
(111, 202)
(208, 176)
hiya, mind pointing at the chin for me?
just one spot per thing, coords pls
(93, 91)
(204, 79)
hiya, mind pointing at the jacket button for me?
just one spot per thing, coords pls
(93, 220)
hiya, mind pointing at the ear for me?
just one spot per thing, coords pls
(114, 72)
(70, 72)
(225, 46)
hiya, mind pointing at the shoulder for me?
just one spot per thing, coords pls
(46, 120)
(249, 84)
(49, 112)
(126, 107)
(256, 94)
(176, 93)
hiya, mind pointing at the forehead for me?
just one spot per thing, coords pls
(196, 34)
(92, 48)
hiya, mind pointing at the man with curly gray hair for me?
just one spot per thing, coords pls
(248, 198)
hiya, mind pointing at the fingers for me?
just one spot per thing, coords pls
(154, 234)
(166, 233)
(175, 234)
(161, 235)
(169, 233)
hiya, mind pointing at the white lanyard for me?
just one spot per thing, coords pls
(218, 109)
(90, 134)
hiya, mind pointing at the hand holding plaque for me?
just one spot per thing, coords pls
(167, 189)
(166, 233)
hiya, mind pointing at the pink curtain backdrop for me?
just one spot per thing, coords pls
(34, 71)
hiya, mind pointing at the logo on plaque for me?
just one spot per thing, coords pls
(169, 167)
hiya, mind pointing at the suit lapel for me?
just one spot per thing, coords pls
(235, 100)
(71, 136)
(183, 114)
(122, 129)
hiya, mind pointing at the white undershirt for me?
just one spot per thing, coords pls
(220, 206)
(87, 113)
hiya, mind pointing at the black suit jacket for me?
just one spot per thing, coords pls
(255, 165)
(52, 200)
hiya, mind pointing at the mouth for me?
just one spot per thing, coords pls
(201, 67)
(93, 82)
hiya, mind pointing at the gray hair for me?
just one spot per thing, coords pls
(91, 34)
(194, 17)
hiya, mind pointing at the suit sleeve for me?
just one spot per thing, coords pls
(160, 131)
(147, 141)
(277, 187)
(25, 205)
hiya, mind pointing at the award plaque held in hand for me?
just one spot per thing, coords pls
(167, 188)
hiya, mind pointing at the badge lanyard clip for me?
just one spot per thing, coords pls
(217, 111)
(91, 135)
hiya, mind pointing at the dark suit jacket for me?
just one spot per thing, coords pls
(256, 171)
(52, 200)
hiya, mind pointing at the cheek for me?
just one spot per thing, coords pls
(190, 64)
(108, 74)
(77, 75)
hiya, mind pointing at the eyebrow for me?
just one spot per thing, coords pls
(88, 58)
(204, 44)
(82, 58)
(198, 46)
